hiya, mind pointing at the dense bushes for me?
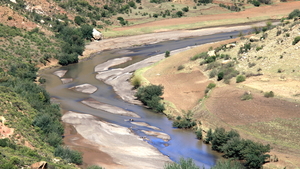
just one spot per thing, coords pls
(69, 155)
(294, 13)
(150, 96)
(187, 121)
(253, 154)
(73, 42)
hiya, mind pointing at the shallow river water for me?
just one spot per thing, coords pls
(183, 143)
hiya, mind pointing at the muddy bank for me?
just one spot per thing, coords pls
(125, 148)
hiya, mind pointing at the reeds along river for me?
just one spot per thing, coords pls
(183, 143)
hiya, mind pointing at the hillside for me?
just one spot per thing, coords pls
(269, 62)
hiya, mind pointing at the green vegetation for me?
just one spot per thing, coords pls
(247, 96)
(294, 13)
(252, 154)
(167, 54)
(69, 155)
(186, 122)
(150, 96)
(240, 78)
(255, 3)
(201, 55)
(209, 87)
(296, 40)
(269, 94)
(199, 134)
(24, 104)
(180, 67)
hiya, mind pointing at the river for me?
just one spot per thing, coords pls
(183, 143)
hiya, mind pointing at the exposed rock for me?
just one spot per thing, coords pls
(211, 53)
(66, 80)
(254, 39)
(97, 35)
(42, 21)
(39, 165)
(60, 73)
(13, 1)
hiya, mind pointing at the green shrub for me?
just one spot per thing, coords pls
(180, 67)
(220, 76)
(79, 20)
(269, 94)
(199, 134)
(185, 9)
(294, 13)
(209, 137)
(167, 54)
(186, 121)
(150, 96)
(213, 73)
(246, 96)
(211, 85)
(212, 65)
(179, 14)
(69, 155)
(296, 40)
(135, 82)
(240, 78)
(201, 55)
(256, 3)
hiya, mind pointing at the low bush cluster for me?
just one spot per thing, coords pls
(186, 122)
(150, 96)
(253, 154)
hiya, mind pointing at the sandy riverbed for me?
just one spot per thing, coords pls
(125, 148)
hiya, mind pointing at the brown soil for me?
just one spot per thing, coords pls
(17, 20)
(183, 88)
(226, 104)
(275, 11)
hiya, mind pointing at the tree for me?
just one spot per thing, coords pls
(209, 136)
(150, 96)
(219, 139)
(167, 54)
(87, 31)
(179, 14)
(294, 13)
